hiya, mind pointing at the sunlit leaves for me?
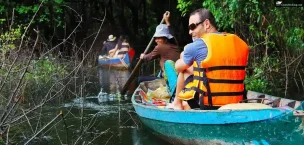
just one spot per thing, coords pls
(8, 40)
(183, 6)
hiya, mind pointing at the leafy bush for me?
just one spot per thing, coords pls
(46, 69)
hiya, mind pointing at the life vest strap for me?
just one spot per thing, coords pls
(226, 81)
(219, 68)
(226, 68)
(227, 93)
(195, 89)
(209, 92)
(198, 78)
(199, 69)
(219, 80)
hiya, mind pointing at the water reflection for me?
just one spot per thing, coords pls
(115, 115)
(112, 80)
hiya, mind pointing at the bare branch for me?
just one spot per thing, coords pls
(6, 114)
(42, 129)
(22, 38)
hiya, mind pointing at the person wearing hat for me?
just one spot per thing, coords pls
(168, 52)
(166, 48)
(109, 44)
(121, 49)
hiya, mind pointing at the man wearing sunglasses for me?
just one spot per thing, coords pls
(211, 68)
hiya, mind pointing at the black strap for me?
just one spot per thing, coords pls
(201, 102)
(226, 68)
(219, 68)
(195, 89)
(244, 92)
(214, 93)
(226, 81)
(198, 78)
(227, 93)
(198, 69)
(219, 80)
(208, 90)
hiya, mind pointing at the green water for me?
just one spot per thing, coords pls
(105, 117)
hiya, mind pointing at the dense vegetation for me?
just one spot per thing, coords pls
(46, 44)
(275, 36)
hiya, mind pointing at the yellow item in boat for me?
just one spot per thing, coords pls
(159, 93)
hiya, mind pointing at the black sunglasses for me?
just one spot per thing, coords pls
(194, 25)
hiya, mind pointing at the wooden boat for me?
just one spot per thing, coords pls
(226, 126)
(118, 63)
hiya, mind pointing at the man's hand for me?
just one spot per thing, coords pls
(142, 56)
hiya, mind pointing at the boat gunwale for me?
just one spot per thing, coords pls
(204, 111)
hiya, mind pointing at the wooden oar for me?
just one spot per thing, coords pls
(132, 75)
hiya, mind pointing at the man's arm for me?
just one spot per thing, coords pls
(195, 51)
(185, 60)
(180, 65)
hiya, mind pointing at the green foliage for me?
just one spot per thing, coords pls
(2, 9)
(49, 14)
(262, 77)
(271, 33)
(266, 23)
(44, 70)
(295, 38)
(256, 84)
(8, 40)
(183, 6)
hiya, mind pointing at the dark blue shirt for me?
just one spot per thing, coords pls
(109, 45)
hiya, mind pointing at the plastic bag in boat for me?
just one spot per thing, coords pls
(155, 89)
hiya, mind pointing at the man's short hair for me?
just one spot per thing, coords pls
(205, 14)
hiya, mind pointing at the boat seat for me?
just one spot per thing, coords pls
(244, 106)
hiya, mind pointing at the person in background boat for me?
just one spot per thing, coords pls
(166, 48)
(108, 45)
(121, 48)
(225, 66)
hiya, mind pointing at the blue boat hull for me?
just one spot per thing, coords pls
(208, 116)
(123, 63)
(255, 126)
(279, 131)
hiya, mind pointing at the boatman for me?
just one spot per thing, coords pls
(218, 60)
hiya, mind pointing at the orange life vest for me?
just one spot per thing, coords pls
(220, 77)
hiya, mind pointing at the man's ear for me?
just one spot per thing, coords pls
(208, 24)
